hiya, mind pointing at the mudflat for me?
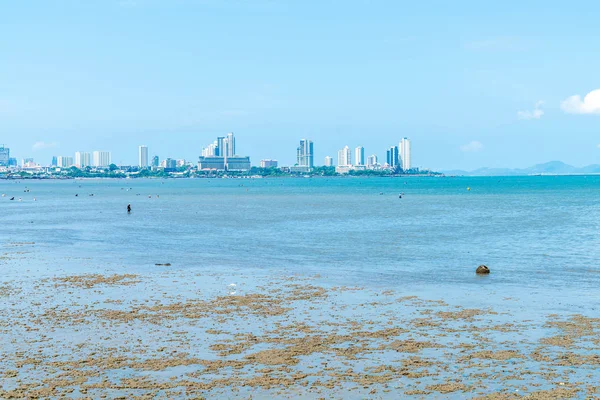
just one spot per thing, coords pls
(172, 333)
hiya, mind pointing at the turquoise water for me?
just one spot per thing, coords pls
(539, 235)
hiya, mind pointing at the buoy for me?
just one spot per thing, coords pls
(469, 189)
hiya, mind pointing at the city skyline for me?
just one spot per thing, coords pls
(225, 145)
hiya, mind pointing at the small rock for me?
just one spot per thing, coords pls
(163, 265)
(482, 269)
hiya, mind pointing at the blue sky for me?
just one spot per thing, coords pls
(472, 83)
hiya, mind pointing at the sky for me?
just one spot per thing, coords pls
(471, 83)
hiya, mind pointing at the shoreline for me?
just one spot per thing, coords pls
(170, 332)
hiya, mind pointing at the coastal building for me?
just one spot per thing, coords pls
(405, 154)
(230, 145)
(211, 150)
(218, 163)
(305, 155)
(221, 156)
(344, 157)
(54, 161)
(101, 158)
(238, 163)
(371, 161)
(29, 165)
(83, 159)
(329, 161)
(210, 163)
(171, 164)
(64, 162)
(155, 161)
(344, 161)
(12, 162)
(359, 156)
(222, 147)
(268, 163)
(219, 146)
(143, 156)
(4, 155)
(392, 156)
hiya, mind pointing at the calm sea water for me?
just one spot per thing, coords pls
(539, 235)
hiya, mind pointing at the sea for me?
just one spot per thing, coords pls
(417, 236)
(539, 235)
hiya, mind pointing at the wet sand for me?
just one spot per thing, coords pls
(173, 333)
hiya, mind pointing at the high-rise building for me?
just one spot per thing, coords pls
(221, 155)
(225, 149)
(230, 145)
(4, 156)
(211, 150)
(359, 156)
(78, 159)
(83, 159)
(170, 163)
(27, 162)
(102, 158)
(155, 161)
(143, 156)
(305, 154)
(392, 156)
(371, 160)
(64, 162)
(268, 163)
(219, 148)
(329, 161)
(54, 161)
(405, 154)
(344, 157)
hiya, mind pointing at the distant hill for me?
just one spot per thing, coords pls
(549, 168)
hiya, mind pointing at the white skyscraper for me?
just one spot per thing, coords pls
(212, 149)
(329, 161)
(344, 157)
(102, 158)
(83, 159)
(226, 150)
(404, 150)
(230, 145)
(305, 154)
(143, 156)
(359, 156)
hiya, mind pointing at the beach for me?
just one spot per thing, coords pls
(307, 288)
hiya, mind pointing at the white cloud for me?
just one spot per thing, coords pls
(536, 113)
(589, 105)
(43, 145)
(598, 146)
(471, 147)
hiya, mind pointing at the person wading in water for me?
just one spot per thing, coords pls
(128, 208)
